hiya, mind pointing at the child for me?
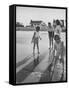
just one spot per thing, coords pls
(35, 40)
(58, 47)
(58, 53)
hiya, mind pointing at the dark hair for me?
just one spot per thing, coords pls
(57, 22)
(56, 37)
(54, 21)
(37, 28)
(49, 23)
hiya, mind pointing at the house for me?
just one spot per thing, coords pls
(18, 24)
(43, 26)
(35, 23)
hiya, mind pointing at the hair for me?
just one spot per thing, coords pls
(37, 28)
(56, 37)
(54, 21)
(49, 23)
(57, 22)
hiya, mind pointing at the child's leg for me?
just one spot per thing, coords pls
(34, 49)
(56, 58)
(62, 61)
(38, 48)
(53, 65)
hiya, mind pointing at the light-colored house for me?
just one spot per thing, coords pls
(35, 23)
(40, 23)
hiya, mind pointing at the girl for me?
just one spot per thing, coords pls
(58, 61)
(58, 47)
(35, 40)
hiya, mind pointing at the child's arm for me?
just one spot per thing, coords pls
(54, 54)
(40, 38)
(62, 50)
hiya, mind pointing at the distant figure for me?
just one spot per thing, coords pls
(35, 40)
(51, 35)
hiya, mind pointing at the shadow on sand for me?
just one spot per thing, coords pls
(23, 73)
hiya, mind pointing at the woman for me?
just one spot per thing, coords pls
(51, 35)
(58, 28)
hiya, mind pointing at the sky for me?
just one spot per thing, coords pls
(25, 14)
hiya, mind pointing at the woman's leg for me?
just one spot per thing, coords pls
(52, 37)
(49, 41)
(52, 42)
(49, 35)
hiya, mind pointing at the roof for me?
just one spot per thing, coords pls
(33, 22)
